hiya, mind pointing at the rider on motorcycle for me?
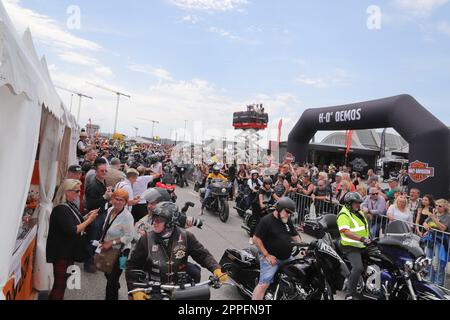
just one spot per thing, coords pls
(254, 184)
(163, 253)
(273, 237)
(354, 230)
(212, 176)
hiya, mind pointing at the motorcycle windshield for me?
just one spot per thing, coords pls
(398, 227)
(408, 242)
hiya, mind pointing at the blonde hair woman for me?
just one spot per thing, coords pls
(118, 232)
(66, 243)
(399, 211)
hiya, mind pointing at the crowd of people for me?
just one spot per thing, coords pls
(106, 205)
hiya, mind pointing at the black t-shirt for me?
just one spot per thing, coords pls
(231, 173)
(322, 193)
(276, 236)
(267, 194)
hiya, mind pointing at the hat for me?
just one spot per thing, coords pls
(339, 174)
(75, 169)
(83, 134)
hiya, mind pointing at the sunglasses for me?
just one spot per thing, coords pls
(374, 194)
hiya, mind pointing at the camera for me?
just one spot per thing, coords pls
(183, 218)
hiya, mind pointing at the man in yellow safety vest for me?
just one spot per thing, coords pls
(354, 230)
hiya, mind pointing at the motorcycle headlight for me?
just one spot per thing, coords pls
(422, 264)
(224, 190)
(409, 265)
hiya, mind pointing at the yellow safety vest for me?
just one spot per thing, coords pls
(349, 221)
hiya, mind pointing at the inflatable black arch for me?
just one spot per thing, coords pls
(428, 138)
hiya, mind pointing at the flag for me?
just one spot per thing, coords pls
(383, 144)
(349, 138)
(280, 127)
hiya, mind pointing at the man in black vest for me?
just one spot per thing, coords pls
(163, 253)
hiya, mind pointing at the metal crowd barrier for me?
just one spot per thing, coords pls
(435, 243)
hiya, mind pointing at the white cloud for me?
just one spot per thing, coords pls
(336, 77)
(209, 5)
(159, 73)
(48, 32)
(223, 33)
(444, 27)
(45, 29)
(419, 7)
(191, 19)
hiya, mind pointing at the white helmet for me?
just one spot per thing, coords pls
(254, 172)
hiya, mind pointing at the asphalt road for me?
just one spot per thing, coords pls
(215, 236)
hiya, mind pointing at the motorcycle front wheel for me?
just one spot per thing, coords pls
(224, 211)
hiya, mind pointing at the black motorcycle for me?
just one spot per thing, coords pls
(317, 275)
(218, 199)
(255, 213)
(242, 203)
(395, 265)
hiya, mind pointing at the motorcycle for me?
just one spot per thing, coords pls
(318, 274)
(241, 200)
(218, 199)
(395, 266)
(180, 177)
(184, 291)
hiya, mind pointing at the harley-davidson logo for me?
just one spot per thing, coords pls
(419, 171)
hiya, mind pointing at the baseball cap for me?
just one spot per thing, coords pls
(339, 174)
(75, 169)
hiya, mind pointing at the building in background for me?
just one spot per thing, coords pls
(366, 145)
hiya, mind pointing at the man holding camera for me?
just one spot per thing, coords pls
(163, 253)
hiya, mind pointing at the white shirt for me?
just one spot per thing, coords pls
(400, 215)
(126, 185)
(122, 228)
(140, 186)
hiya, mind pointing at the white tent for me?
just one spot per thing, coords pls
(30, 109)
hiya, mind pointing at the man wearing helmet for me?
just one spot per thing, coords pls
(163, 253)
(354, 230)
(212, 176)
(254, 183)
(273, 237)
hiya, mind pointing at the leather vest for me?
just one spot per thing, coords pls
(163, 263)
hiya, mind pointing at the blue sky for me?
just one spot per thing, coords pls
(203, 59)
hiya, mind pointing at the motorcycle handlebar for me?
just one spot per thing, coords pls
(212, 282)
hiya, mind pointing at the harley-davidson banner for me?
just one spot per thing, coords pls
(419, 171)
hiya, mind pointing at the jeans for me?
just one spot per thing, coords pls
(94, 232)
(354, 255)
(436, 271)
(267, 271)
(112, 284)
(207, 194)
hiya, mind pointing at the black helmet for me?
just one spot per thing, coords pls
(287, 204)
(156, 195)
(268, 181)
(353, 197)
(167, 210)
